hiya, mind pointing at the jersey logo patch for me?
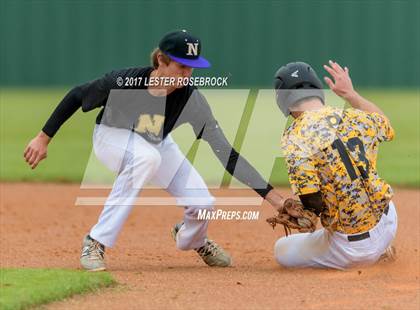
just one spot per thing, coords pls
(150, 124)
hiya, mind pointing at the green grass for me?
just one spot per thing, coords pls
(23, 288)
(24, 111)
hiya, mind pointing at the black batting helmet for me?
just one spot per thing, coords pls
(295, 82)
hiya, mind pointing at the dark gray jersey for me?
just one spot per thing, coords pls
(125, 102)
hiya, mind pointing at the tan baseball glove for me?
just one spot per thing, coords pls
(294, 216)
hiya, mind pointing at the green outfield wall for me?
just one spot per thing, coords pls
(69, 42)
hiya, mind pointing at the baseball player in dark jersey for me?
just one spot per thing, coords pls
(132, 138)
(331, 158)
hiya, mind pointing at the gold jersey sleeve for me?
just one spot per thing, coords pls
(384, 131)
(334, 152)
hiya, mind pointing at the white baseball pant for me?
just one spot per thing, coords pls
(138, 162)
(323, 249)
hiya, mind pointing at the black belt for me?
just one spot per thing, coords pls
(366, 234)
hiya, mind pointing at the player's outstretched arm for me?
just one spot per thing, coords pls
(36, 150)
(96, 92)
(341, 85)
(240, 168)
(205, 126)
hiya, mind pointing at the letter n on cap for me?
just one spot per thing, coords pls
(192, 49)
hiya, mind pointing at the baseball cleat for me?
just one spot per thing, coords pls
(211, 253)
(389, 255)
(92, 258)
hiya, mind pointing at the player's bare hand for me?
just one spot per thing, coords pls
(275, 199)
(340, 83)
(36, 150)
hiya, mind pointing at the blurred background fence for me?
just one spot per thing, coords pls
(68, 42)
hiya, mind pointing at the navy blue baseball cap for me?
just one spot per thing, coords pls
(183, 48)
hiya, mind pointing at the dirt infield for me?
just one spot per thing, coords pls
(41, 227)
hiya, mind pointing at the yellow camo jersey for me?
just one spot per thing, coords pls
(334, 151)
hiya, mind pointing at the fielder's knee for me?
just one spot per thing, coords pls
(150, 160)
